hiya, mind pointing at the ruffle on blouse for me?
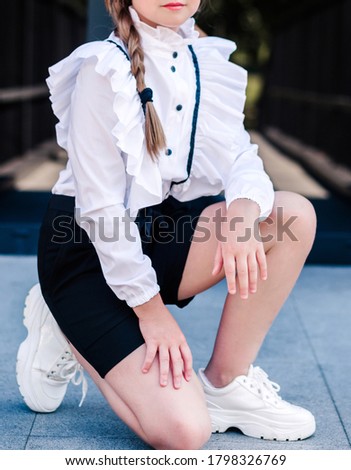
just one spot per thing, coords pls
(146, 182)
(220, 119)
(223, 93)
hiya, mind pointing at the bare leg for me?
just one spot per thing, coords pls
(165, 418)
(245, 323)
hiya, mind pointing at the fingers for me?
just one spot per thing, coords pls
(151, 351)
(253, 273)
(177, 367)
(262, 262)
(230, 273)
(218, 261)
(243, 277)
(187, 361)
(242, 271)
(178, 359)
(163, 354)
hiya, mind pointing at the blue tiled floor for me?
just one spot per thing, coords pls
(307, 351)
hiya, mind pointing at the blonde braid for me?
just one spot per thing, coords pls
(126, 31)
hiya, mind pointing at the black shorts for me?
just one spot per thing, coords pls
(103, 328)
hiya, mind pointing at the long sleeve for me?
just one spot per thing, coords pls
(247, 177)
(100, 188)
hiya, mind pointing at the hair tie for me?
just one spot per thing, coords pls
(146, 96)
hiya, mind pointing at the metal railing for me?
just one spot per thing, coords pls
(329, 101)
(22, 94)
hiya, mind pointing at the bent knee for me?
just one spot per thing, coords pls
(296, 215)
(182, 434)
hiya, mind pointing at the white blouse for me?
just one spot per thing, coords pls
(101, 126)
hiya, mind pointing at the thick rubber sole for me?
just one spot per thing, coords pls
(28, 348)
(261, 428)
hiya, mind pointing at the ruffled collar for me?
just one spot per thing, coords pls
(165, 36)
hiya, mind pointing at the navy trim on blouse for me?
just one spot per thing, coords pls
(196, 108)
(119, 47)
(195, 116)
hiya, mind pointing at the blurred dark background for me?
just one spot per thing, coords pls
(298, 101)
(33, 35)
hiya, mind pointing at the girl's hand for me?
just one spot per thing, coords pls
(163, 338)
(241, 254)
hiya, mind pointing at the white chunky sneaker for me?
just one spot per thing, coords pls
(45, 362)
(251, 403)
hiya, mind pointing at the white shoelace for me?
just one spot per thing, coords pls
(67, 370)
(268, 389)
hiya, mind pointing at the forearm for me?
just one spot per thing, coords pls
(243, 210)
(152, 308)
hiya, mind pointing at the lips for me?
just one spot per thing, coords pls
(173, 5)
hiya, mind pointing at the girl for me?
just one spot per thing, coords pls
(152, 122)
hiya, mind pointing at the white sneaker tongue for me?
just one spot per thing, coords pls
(262, 380)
